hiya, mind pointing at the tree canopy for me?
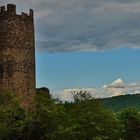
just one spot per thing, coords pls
(83, 119)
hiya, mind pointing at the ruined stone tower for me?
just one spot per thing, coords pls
(17, 53)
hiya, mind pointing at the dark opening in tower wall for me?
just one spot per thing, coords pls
(1, 72)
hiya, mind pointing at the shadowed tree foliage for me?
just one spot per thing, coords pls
(11, 116)
(45, 91)
(130, 119)
(83, 119)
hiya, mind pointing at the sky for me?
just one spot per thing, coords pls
(91, 45)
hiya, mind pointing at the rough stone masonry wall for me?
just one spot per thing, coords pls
(17, 53)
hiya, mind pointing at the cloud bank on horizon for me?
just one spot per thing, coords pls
(116, 88)
(79, 25)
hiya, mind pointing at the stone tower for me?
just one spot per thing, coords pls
(17, 53)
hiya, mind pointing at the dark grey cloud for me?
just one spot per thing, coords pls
(84, 25)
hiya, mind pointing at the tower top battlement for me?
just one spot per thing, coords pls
(10, 9)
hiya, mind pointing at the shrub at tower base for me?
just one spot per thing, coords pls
(55, 120)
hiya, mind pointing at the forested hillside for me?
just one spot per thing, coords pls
(117, 103)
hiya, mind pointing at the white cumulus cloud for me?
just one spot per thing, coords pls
(116, 88)
(67, 94)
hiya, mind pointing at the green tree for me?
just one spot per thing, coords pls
(11, 116)
(81, 95)
(86, 119)
(83, 119)
(130, 119)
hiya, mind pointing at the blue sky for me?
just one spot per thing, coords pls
(86, 44)
(87, 69)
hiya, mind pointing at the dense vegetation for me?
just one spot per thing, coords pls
(83, 119)
(124, 101)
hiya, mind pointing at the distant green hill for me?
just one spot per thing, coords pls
(117, 103)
